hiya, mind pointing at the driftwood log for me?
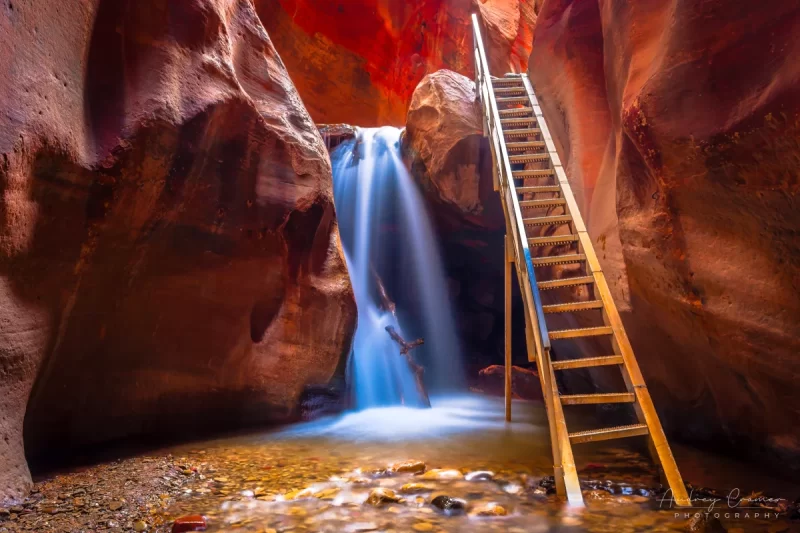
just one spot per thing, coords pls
(416, 369)
(386, 303)
(405, 347)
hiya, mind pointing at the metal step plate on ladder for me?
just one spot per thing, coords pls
(527, 145)
(587, 399)
(547, 221)
(538, 173)
(518, 121)
(516, 111)
(619, 432)
(551, 260)
(539, 189)
(581, 332)
(564, 282)
(555, 240)
(509, 90)
(513, 100)
(588, 362)
(572, 307)
(523, 132)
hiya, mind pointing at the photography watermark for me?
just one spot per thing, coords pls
(733, 506)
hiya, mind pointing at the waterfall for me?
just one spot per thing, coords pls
(387, 236)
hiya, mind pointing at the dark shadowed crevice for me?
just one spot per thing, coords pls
(300, 230)
(104, 92)
(264, 313)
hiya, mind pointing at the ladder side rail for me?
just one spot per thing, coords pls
(645, 410)
(538, 345)
(524, 262)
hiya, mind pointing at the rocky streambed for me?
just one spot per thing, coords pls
(456, 467)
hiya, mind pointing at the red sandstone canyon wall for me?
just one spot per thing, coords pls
(680, 123)
(169, 255)
(358, 61)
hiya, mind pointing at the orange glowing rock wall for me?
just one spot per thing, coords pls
(358, 61)
(680, 126)
(169, 253)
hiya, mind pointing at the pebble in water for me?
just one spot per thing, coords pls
(480, 475)
(449, 506)
(490, 509)
(415, 488)
(408, 467)
(381, 496)
(439, 473)
(189, 523)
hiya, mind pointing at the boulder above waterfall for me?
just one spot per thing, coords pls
(447, 152)
(169, 253)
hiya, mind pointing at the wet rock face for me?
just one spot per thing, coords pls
(680, 126)
(359, 62)
(169, 255)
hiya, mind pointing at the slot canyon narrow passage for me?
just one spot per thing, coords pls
(375, 265)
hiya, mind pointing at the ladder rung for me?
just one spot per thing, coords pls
(513, 100)
(525, 145)
(515, 111)
(546, 221)
(587, 362)
(609, 397)
(581, 332)
(547, 202)
(507, 80)
(528, 158)
(518, 158)
(538, 189)
(509, 90)
(524, 120)
(558, 260)
(538, 173)
(564, 282)
(523, 132)
(552, 241)
(573, 306)
(619, 432)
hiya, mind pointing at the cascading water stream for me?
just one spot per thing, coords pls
(387, 236)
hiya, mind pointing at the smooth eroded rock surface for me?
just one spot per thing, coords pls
(169, 256)
(448, 154)
(680, 128)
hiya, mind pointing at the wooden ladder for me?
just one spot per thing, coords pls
(536, 194)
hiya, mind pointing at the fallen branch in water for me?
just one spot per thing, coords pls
(386, 303)
(416, 369)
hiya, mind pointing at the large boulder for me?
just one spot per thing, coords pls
(359, 62)
(169, 254)
(680, 126)
(447, 151)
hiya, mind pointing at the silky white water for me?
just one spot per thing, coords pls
(387, 235)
